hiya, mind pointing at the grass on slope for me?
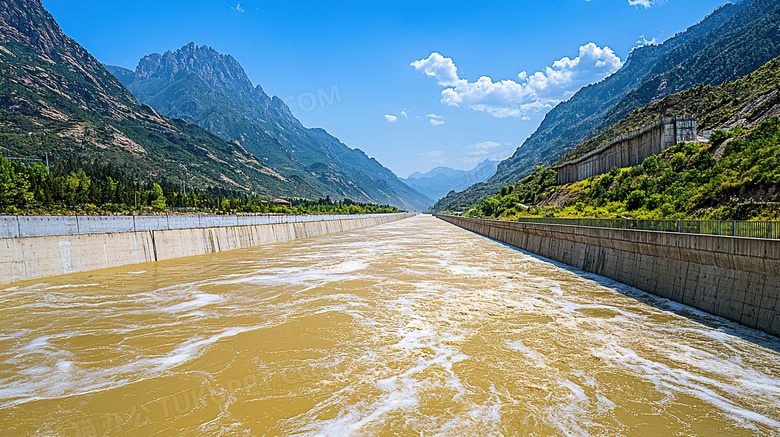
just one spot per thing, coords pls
(686, 181)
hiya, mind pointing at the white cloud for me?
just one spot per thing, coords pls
(482, 148)
(405, 114)
(642, 41)
(435, 120)
(391, 118)
(532, 93)
(645, 3)
(443, 69)
(238, 7)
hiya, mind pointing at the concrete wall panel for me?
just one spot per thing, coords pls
(88, 224)
(151, 222)
(25, 258)
(39, 226)
(9, 226)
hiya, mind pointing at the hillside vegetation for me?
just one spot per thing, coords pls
(735, 176)
(686, 181)
(729, 43)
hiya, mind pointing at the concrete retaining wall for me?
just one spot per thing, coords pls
(736, 278)
(47, 225)
(26, 258)
(629, 149)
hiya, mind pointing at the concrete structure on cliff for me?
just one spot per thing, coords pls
(733, 277)
(629, 149)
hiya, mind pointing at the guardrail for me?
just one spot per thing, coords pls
(43, 225)
(731, 228)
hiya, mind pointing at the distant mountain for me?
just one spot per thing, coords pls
(441, 180)
(202, 86)
(56, 98)
(732, 41)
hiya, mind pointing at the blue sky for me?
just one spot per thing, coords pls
(415, 84)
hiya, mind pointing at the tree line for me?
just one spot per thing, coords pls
(74, 185)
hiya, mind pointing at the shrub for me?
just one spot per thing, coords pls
(678, 161)
(654, 201)
(635, 200)
(718, 137)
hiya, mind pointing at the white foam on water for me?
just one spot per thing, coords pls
(188, 350)
(69, 286)
(571, 415)
(534, 357)
(300, 275)
(690, 379)
(200, 300)
(57, 375)
(421, 345)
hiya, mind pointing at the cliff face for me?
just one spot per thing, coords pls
(56, 98)
(203, 86)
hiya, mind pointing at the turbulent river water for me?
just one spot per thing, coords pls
(414, 328)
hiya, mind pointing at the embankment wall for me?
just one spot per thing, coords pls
(24, 258)
(733, 277)
(629, 149)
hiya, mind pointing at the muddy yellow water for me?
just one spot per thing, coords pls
(414, 328)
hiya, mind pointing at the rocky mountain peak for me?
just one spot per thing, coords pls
(218, 70)
(27, 22)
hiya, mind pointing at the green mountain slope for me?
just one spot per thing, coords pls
(737, 176)
(56, 98)
(202, 86)
(745, 102)
(732, 41)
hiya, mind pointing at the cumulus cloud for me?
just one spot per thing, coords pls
(238, 7)
(391, 118)
(528, 94)
(405, 114)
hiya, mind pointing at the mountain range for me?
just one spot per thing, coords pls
(731, 42)
(57, 99)
(205, 125)
(439, 181)
(202, 86)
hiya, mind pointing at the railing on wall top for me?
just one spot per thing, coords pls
(731, 228)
